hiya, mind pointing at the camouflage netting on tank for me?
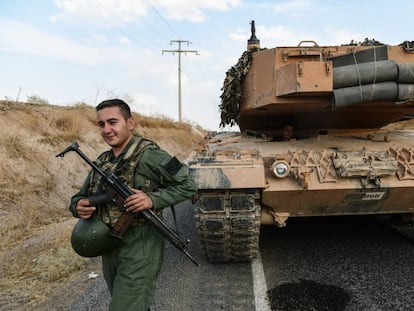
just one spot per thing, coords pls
(233, 91)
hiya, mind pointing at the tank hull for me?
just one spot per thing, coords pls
(327, 175)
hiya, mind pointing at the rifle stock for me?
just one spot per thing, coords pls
(125, 221)
(122, 225)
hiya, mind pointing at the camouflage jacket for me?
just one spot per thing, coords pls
(143, 165)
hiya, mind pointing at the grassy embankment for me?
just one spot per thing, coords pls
(35, 188)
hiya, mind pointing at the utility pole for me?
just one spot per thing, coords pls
(179, 51)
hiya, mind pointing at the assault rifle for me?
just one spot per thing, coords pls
(120, 192)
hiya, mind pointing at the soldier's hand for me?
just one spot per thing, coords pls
(84, 208)
(138, 201)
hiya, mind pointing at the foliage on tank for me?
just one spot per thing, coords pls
(232, 90)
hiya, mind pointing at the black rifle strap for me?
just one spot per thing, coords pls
(175, 219)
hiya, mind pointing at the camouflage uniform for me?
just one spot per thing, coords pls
(131, 269)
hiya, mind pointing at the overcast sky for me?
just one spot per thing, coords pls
(71, 51)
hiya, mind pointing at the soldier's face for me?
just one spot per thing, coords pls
(115, 130)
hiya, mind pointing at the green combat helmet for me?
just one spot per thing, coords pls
(90, 238)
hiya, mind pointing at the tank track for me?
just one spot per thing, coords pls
(228, 225)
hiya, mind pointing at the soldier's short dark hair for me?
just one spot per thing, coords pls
(123, 106)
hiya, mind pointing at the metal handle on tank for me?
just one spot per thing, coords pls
(308, 41)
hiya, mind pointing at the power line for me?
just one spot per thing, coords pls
(162, 18)
(133, 31)
(133, 28)
(128, 30)
(179, 51)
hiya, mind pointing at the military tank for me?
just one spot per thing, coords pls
(315, 139)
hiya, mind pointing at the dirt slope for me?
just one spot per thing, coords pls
(35, 187)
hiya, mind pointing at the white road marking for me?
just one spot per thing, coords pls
(261, 301)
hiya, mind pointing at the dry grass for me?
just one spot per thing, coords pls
(35, 188)
(15, 148)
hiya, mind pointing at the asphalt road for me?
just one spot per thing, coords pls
(183, 285)
(342, 263)
(359, 263)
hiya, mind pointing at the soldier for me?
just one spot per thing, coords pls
(287, 132)
(158, 180)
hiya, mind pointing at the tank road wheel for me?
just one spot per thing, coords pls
(228, 225)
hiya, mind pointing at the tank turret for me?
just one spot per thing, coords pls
(317, 88)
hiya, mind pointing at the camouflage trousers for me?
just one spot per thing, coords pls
(131, 270)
